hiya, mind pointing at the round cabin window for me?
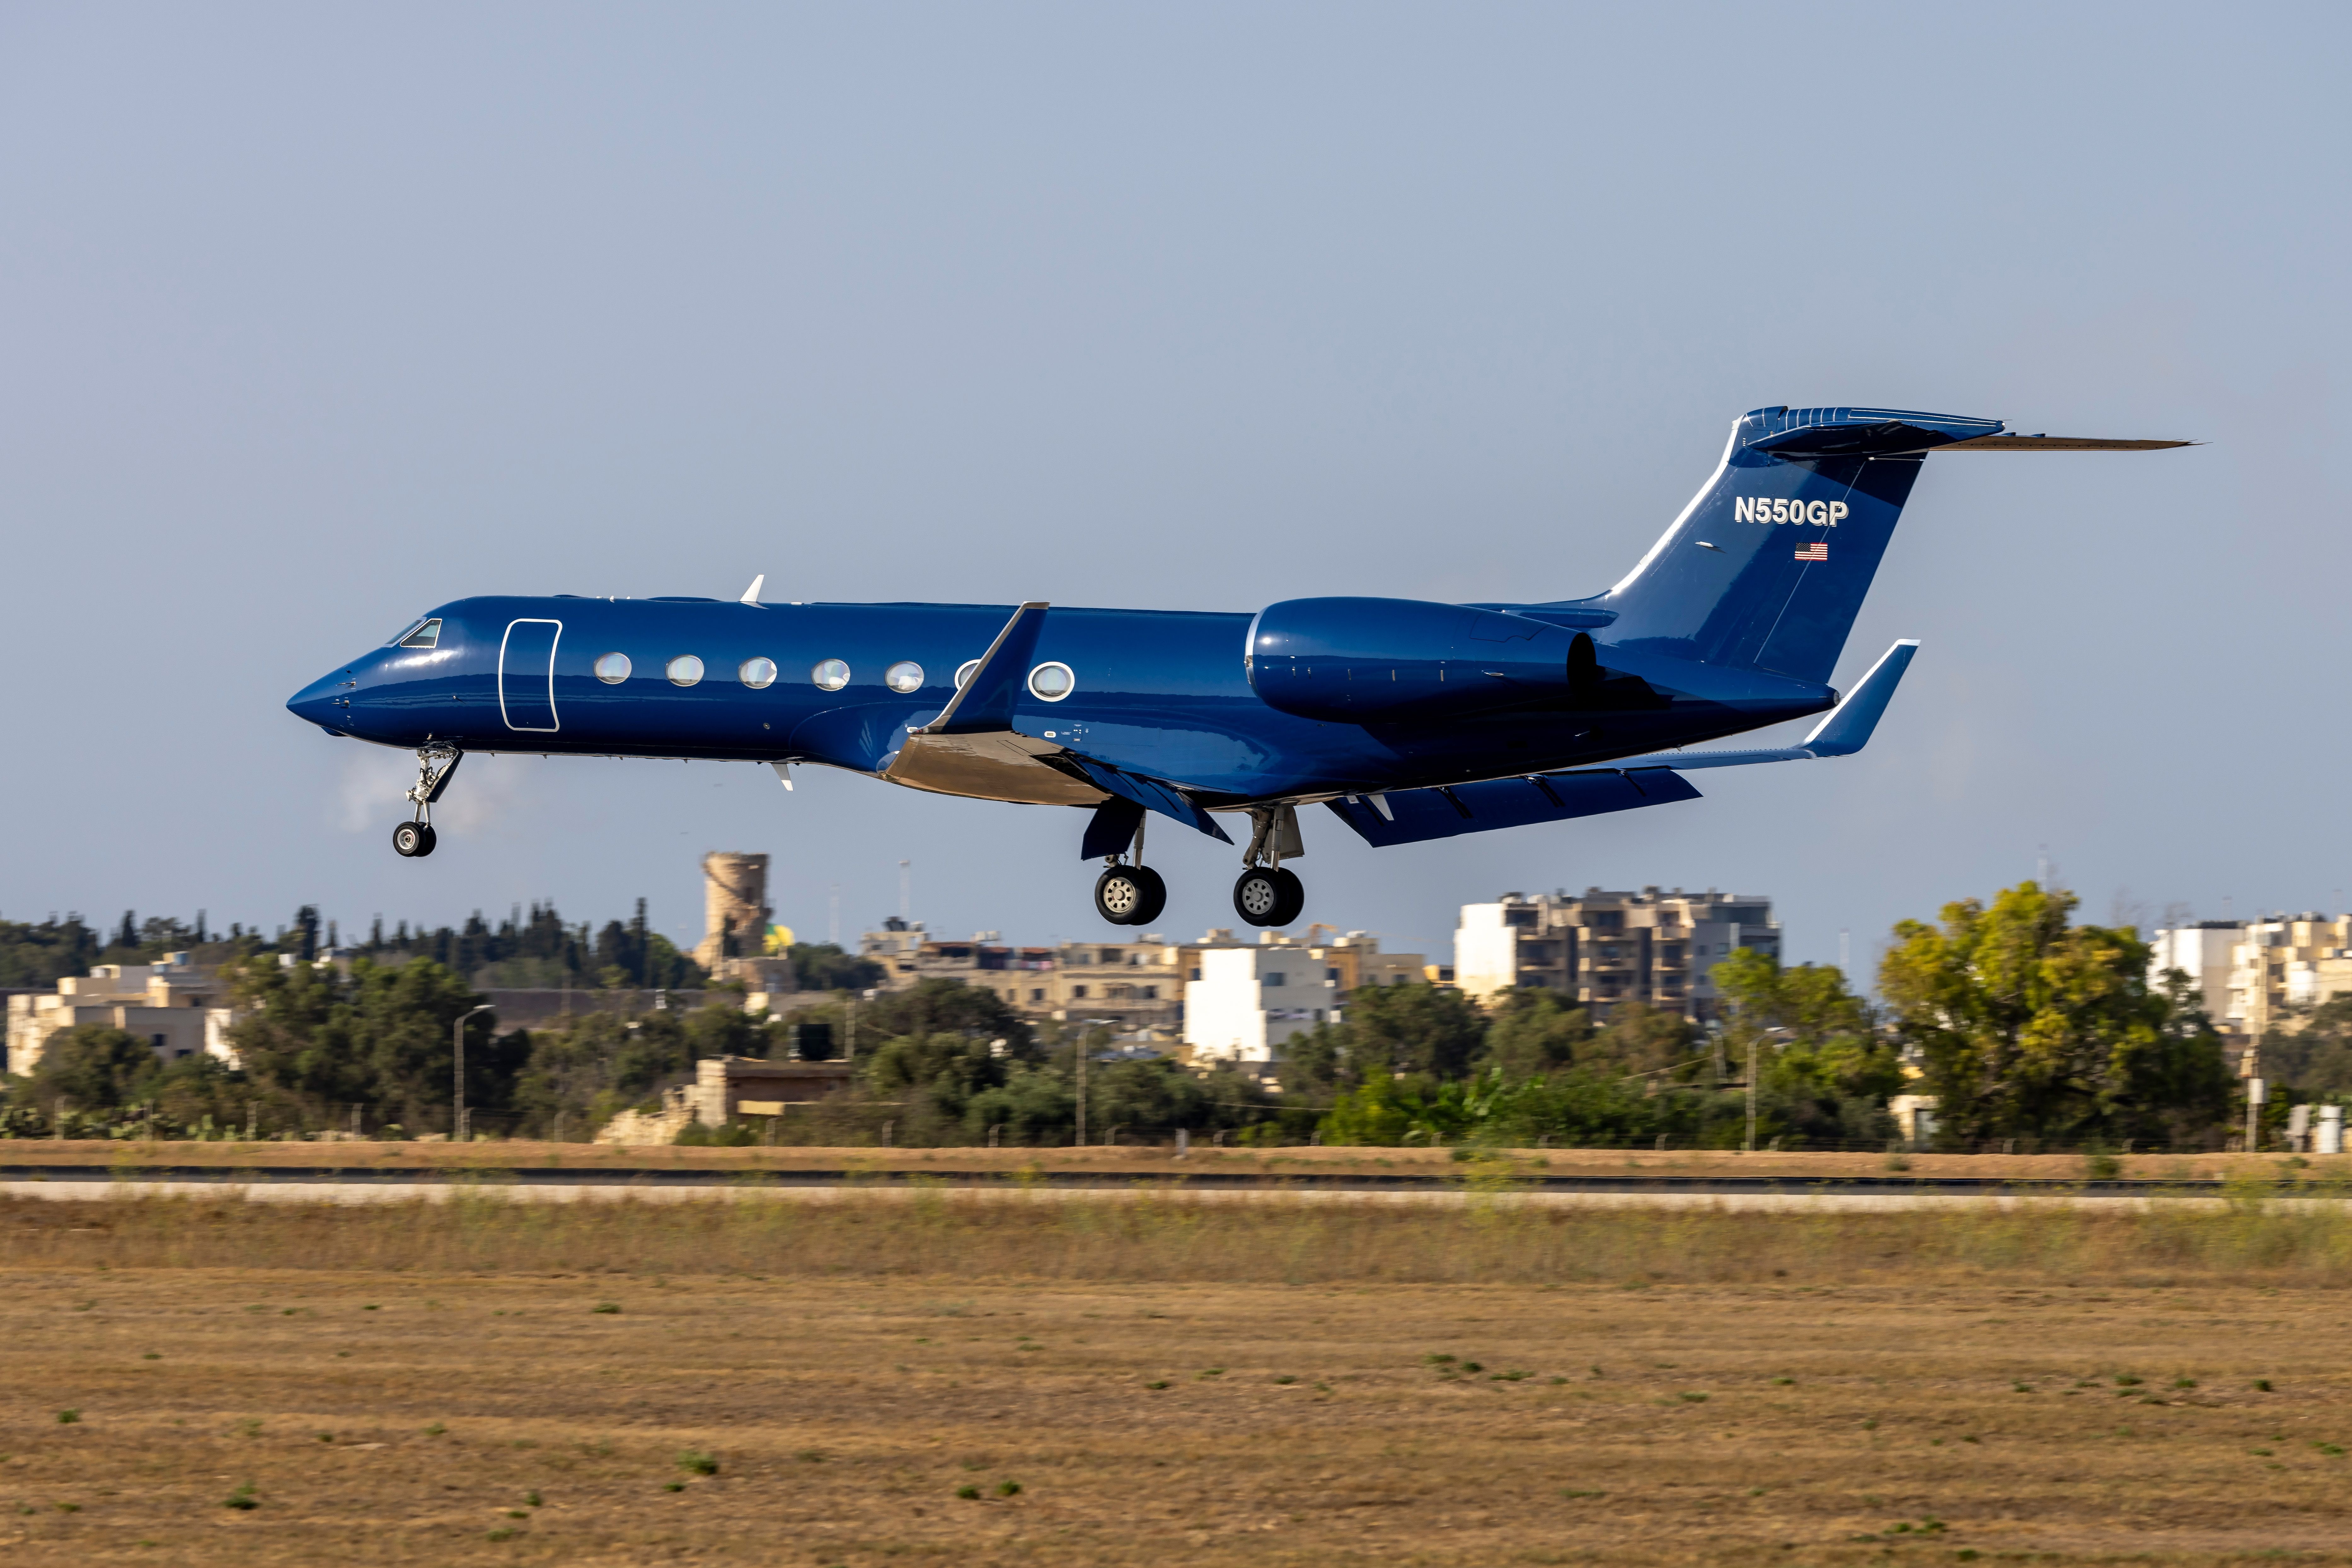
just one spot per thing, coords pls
(1052, 682)
(757, 673)
(613, 668)
(963, 672)
(829, 675)
(904, 677)
(685, 670)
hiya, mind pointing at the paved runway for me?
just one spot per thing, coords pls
(538, 1185)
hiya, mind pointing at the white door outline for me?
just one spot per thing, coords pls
(530, 621)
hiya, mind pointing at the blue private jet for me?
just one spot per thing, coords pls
(1407, 719)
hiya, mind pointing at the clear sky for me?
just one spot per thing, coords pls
(312, 317)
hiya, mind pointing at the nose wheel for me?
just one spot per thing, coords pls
(435, 764)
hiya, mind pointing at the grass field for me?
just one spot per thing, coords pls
(481, 1383)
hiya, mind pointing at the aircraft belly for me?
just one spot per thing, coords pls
(993, 765)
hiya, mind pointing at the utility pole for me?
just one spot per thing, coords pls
(1751, 1094)
(2249, 1066)
(457, 1113)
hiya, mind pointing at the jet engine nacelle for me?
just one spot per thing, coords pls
(1362, 661)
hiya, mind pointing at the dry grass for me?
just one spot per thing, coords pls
(1172, 1239)
(394, 1382)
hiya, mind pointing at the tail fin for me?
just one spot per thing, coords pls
(1767, 567)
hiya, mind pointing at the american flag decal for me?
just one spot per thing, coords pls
(1816, 552)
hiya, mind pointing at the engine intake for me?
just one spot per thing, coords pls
(1361, 661)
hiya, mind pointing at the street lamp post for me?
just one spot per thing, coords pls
(458, 1036)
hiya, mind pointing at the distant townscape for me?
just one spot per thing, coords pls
(1654, 1018)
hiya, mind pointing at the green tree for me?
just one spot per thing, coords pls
(1531, 1031)
(93, 1067)
(1824, 1075)
(1388, 1029)
(822, 966)
(2314, 1060)
(2027, 1027)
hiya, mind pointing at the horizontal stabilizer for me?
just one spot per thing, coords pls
(1842, 732)
(2058, 444)
(1416, 815)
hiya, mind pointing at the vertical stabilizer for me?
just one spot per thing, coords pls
(1767, 567)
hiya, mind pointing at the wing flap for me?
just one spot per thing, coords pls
(1417, 815)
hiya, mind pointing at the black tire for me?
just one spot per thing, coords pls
(432, 840)
(1119, 894)
(1155, 897)
(1293, 897)
(408, 841)
(1259, 895)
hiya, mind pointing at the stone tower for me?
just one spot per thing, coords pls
(734, 907)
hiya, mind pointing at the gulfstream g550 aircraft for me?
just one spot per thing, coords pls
(1408, 720)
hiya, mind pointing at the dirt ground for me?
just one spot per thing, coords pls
(500, 1419)
(1158, 1158)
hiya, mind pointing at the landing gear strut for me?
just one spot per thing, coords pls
(1130, 894)
(1268, 895)
(435, 764)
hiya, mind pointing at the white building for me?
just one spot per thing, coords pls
(2205, 952)
(170, 1004)
(1603, 948)
(1244, 1003)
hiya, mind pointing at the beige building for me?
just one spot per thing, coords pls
(2287, 961)
(173, 1005)
(1129, 986)
(734, 908)
(1604, 948)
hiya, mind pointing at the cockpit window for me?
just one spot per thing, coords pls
(403, 635)
(424, 636)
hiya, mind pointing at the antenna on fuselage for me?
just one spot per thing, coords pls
(752, 594)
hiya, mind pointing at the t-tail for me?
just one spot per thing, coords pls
(1767, 567)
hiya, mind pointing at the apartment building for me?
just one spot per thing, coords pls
(2207, 953)
(1243, 1000)
(1602, 948)
(2283, 962)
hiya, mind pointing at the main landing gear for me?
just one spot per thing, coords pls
(1130, 894)
(1268, 895)
(435, 764)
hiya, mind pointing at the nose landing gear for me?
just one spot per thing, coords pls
(435, 764)
(1268, 895)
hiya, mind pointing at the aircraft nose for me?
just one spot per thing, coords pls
(319, 702)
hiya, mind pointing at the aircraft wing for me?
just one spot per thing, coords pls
(1842, 732)
(1415, 815)
(972, 749)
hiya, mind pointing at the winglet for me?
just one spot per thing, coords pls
(986, 702)
(1846, 728)
(752, 594)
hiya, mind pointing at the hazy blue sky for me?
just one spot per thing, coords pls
(311, 317)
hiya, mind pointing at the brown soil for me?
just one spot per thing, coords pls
(507, 1154)
(409, 1417)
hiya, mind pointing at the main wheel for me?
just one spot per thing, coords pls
(1119, 894)
(1259, 896)
(432, 840)
(414, 840)
(1293, 897)
(1155, 897)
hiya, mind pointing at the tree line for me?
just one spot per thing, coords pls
(2031, 1033)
